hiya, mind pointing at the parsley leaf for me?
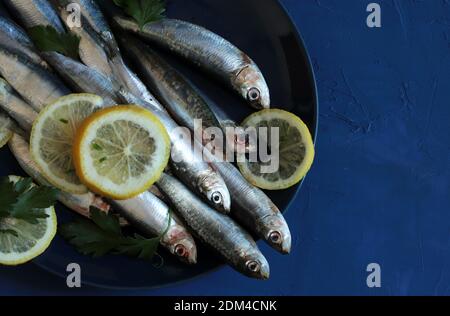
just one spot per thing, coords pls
(22, 185)
(138, 246)
(22, 200)
(32, 204)
(106, 222)
(8, 196)
(48, 39)
(88, 238)
(143, 11)
(102, 234)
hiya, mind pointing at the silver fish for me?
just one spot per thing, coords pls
(254, 209)
(129, 79)
(170, 87)
(12, 35)
(210, 52)
(150, 215)
(91, 51)
(218, 231)
(6, 124)
(33, 82)
(15, 107)
(79, 203)
(186, 158)
(91, 14)
(98, 48)
(82, 78)
(33, 13)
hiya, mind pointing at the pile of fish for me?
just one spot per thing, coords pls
(212, 200)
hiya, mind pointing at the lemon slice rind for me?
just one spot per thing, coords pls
(14, 258)
(89, 153)
(265, 182)
(53, 135)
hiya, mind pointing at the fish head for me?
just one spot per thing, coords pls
(255, 265)
(277, 233)
(181, 244)
(216, 191)
(253, 87)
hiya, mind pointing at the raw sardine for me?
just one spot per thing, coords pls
(82, 78)
(15, 107)
(169, 86)
(218, 231)
(208, 51)
(13, 36)
(33, 13)
(33, 82)
(150, 215)
(91, 50)
(254, 209)
(91, 14)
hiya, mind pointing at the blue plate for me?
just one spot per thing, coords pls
(263, 30)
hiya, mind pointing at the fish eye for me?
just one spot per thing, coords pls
(275, 237)
(180, 250)
(253, 266)
(216, 198)
(253, 94)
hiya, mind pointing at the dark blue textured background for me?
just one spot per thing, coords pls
(380, 187)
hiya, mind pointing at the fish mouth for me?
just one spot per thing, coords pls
(265, 274)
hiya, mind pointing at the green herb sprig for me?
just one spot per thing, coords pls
(22, 200)
(143, 11)
(47, 39)
(102, 235)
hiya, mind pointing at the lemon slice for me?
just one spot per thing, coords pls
(52, 139)
(5, 130)
(31, 240)
(295, 151)
(121, 151)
